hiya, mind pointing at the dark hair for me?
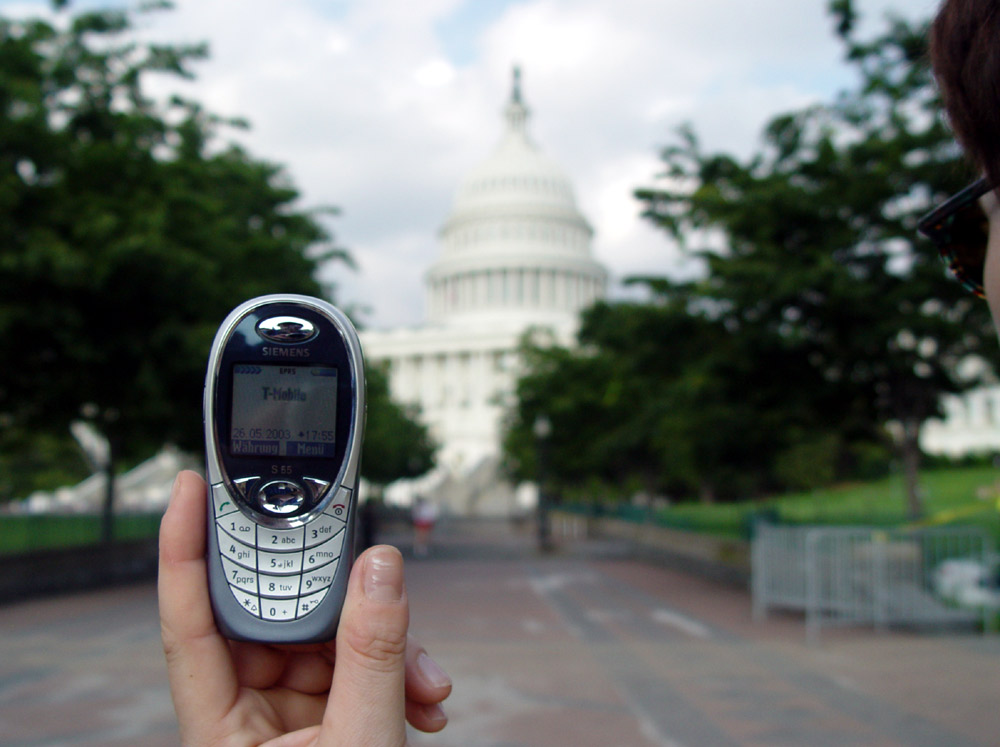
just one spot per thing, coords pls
(965, 54)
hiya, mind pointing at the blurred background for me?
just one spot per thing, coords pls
(640, 293)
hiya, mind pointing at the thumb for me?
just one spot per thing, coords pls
(367, 699)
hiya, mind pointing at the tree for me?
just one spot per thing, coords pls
(624, 416)
(822, 258)
(129, 231)
(823, 324)
(660, 397)
(397, 445)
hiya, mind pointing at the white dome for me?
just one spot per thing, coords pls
(515, 240)
(517, 176)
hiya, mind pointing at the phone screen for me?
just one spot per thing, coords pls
(283, 410)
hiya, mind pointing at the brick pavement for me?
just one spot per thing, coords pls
(583, 647)
(84, 671)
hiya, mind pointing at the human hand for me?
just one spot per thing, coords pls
(229, 692)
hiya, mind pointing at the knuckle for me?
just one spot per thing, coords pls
(382, 643)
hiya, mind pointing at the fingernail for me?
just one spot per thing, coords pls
(435, 713)
(432, 672)
(384, 575)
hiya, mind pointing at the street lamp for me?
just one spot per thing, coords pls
(108, 417)
(542, 430)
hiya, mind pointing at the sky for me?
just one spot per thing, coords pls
(380, 108)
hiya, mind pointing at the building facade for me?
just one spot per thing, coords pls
(515, 255)
(971, 424)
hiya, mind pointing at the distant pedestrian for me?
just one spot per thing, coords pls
(424, 516)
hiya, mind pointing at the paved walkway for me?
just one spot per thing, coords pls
(582, 647)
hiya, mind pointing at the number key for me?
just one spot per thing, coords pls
(279, 540)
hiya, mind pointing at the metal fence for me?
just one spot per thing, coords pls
(870, 576)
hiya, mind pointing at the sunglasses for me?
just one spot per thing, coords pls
(959, 229)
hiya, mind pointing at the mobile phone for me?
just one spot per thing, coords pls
(284, 408)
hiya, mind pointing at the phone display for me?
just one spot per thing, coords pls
(282, 410)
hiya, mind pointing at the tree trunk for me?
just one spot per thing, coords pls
(706, 493)
(108, 509)
(910, 453)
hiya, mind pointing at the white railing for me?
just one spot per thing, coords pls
(871, 576)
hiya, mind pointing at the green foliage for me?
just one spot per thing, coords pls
(31, 461)
(823, 263)
(660, 398)
(635, 408)
(809, 464)
(397, 445)
(128, 232)
(822, 320)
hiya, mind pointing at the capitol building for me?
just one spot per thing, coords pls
(515, 258)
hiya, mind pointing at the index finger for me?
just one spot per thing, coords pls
(203, 680)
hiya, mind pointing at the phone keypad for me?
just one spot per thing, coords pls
(280, 574)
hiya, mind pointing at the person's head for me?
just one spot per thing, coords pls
(965, 55)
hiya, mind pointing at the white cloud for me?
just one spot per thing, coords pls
(434, 73)
(371, 108)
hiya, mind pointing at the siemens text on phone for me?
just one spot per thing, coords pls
(284, 419)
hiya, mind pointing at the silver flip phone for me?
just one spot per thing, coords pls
(284, 423)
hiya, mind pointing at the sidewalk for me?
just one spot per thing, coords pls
(578, 648)
(584, 646)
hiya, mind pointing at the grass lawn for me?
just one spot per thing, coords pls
(22, 534)
(951, 496)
